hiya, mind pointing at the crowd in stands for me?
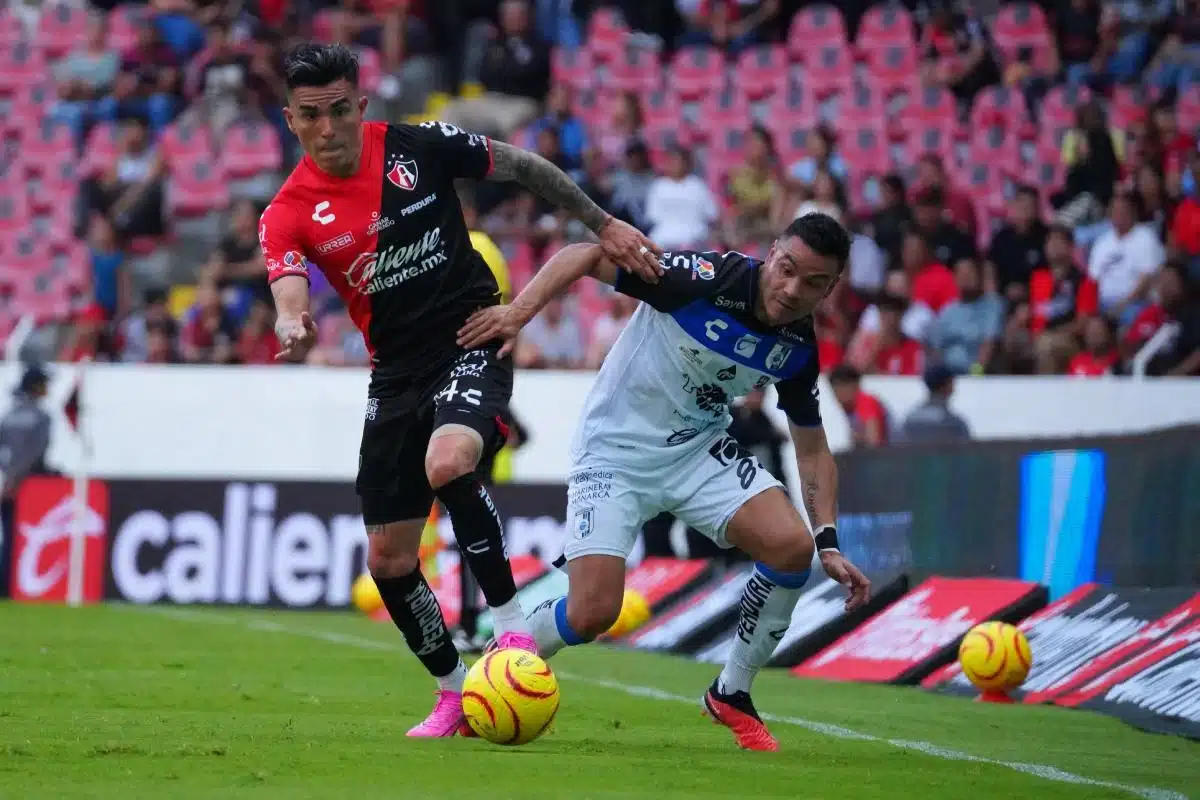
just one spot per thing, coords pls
(1021, 179)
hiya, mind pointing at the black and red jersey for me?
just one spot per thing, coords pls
(392, 242)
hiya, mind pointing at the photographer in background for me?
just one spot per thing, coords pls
(24, 439)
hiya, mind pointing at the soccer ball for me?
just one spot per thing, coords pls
(365, 594)
(510, 697)
(635, 611)
(995, 656)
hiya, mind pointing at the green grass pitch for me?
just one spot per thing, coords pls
(123, 702)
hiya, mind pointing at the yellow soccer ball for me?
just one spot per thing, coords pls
(365, 594)
(510, 697)
(635, 611)
(995, 656)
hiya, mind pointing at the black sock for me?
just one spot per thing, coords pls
(480, 537)
(416, 612)
(468, 591)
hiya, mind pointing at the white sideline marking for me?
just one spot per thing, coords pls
(837, 731)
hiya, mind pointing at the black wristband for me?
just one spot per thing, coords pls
(826, 538)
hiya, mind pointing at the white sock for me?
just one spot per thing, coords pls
(454, 681)
(548, 625)
(766, 612)
(509, 618)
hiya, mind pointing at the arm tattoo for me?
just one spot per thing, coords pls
(538, 175)
(811, 489)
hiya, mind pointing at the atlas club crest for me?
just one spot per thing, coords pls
(403, 173)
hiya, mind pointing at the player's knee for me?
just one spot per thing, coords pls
(792, 553)
(385, 560)
(449, 458)
(594, 614)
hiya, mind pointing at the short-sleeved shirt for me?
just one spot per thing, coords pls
(692, 346)
(391, 240)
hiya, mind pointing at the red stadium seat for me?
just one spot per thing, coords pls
(21, 65)
(61, 29)
(250, 149)
(794, 107)
(58, 227)
(893, 67)
(606, 34)
(982, 181)
(724, 109)
(184, 145)
(695, 70)
(885, 26)
(829, 70)
(591, 106)
(324, 23)
(661, 109)
(99, 150)
(72, 267)
(38, 293)
(123, 24)
(56, 187)
(1021, 26)
(635, 69)
(658, 142)
(1059, 104)
(14, 213)
(196, 191)
(370, 69)
(29, 107)
(791, 144)
(999, 105)
(861, 107)
(572, 67)
(1188, 109)
(47, 147)
(866, 149)
(1130, 104)
(815, 27)
(1046, 171)
(762, 71)
(936, 138)
(997, 147)
(930, 105)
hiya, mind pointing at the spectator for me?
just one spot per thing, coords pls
(631, 185)
(160, 343)
(129, 192)
(135, 330)
(622, 130)
(1061, 298)
(826, 198)
(732, 25)
(24, 440)
(596, 180)
(257, 343)
(1166, 146)
(84, 77)
(820, 154)
(1077, 32)
(893, 216)
(1019, 247)
(149, 82)
(867, 268)
(931, 282)
(1156, 207)
(1099, 355)
(894, 352)
(1015, 355)
(1123, 260)
(1090, 152)
(933, 422)
(111, 285)
(220, 78)
(964, 335)
(237, 263)
(1177, 62)
(515, 74)
(867, 416)
(755, 192)
(680, 209)
(484, 245)
(608, 327)
(1126, 31)
(209, 331)
(572, 136)
(958, 51)
(1177, 307)
(1185, 233)
(948, 244)
(551, 340)
(89, 338)
(914, 323)
(959, 210)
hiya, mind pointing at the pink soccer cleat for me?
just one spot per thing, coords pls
(446, 719)
(519, 641)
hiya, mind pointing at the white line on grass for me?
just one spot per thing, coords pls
(927, 748)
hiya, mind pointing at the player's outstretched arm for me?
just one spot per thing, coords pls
(556, 276)
(622, 243)
(294, 324)
(818, 481)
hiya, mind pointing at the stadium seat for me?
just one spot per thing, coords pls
(38, 293)
(726, 108)
(29, 107)
(184, 145)
(893, 67)
(250, 149)
(1059, 105)
(61, 28)
(572, 67)
(1022, 26)
(884, 27)
(11, 30)
(865, 148)
(1188, 108)
(762, 71)
(793, 109)
(15, 213)
(929, 137)
(21, 65)
(999, 105)
(997, 147)
(606, 34)
(635, 69)
(58, 226)
(813, 28)
(791, 143)
(661, 109)
(46, 147)
(829, 70)
(982, 181)
(196, 191)
(1130, 104)
(324, 22)
(123, 24)
(56, 186)
(99, 149)
(586, 104)
(658, 142)
(930, 105)
(861, 107)
(695, 70)
(1046, 170)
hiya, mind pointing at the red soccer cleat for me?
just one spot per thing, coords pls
(736, 712)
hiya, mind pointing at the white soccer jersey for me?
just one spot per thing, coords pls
(692, 346)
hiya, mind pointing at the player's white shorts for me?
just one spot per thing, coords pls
(607, 504)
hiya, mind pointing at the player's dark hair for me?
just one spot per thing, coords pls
(844, 373)
(312, 64)
(824, 234)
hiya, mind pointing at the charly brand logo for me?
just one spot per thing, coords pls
(373, 272)
(319, 214)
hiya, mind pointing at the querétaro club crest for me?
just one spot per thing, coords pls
(403, 173)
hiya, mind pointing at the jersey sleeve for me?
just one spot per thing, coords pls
(283, 249)
(799, 395)
(466, 155)
(687, 276)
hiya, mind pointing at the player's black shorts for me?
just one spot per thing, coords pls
(473, 391)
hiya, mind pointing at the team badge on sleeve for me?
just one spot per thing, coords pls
(703, 269)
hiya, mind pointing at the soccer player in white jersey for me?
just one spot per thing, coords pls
(653, 438)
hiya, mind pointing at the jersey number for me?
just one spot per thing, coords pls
(727, 451)
(470, 396)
